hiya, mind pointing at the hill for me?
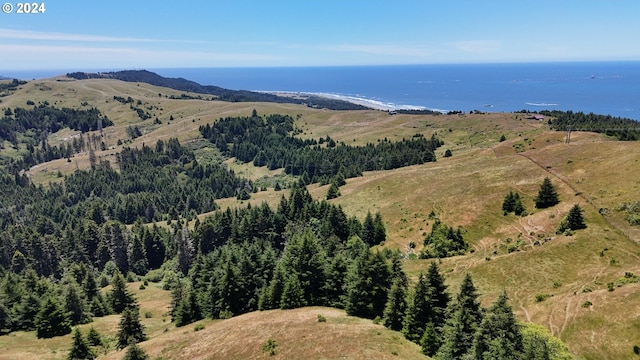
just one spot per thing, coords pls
(222, 94)
(297, 333)
(559, 281)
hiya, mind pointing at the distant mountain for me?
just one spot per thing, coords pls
(182, 84)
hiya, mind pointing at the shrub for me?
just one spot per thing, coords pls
(270, 347)
(198, 327)
(321, 318)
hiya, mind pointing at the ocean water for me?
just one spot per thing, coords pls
(609, 88)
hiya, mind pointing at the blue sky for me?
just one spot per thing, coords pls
(118, 34)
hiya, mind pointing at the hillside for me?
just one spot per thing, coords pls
(551, 279)
(222, 94)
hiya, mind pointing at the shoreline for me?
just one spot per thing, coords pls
(372, 104)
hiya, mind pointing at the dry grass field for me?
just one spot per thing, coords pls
(550, 278)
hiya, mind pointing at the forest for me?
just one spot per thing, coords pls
(271, 142)
(619, 128)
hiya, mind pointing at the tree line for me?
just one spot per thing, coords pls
(618, 127)
(271, 142)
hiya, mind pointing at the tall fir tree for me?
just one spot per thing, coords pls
(547, 195)
(368, 283)
(75, 305)
(499, 336)
(119, 298)
(464, 319)
(427, 305)
(130, 329)
(396, 305)
(80, 350)
(52, 320)
(292, 293)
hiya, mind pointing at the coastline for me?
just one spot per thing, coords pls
(372, 104)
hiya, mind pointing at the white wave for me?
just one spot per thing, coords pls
(541, 104)
(359, 100)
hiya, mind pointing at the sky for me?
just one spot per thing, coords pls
(117, 34)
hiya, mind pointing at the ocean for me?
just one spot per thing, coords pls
(608, 88)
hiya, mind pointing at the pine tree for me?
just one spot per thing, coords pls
(79, 348)
(428, 304)
(573, 221)
(379, 231)
(396, 305)
(547, 195)
(93, 337)
(419, 311)
(292, 294)
(333, 191)
(499, 336)
(134, 352)
(368, 281)
(138, 262)
(75, 305)
(465, 317)
(25, 313)
(439, 296)
(119, 298)
(130, 330)
(368, 230)
(304, 257)
(52, 320)
(431, 340)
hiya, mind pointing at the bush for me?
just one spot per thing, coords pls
(321, 318)
(542, 297)
(270, 347)
(586, 304)
(198, 327)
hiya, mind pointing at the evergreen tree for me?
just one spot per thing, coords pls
(188, 309)
(130, 330)
(379, 231)
(292, 294)
(79, 348)
(573, 221)
(368, 230)
(333, 191)
(52, 320)
(75, 305)
(396, 305)
(547, 195)
(439, 296)
(134, 352)
(368, 281)
(498, 336)
(119, 298)
(25, 313)
(93, 337)
(138, 262)
(431, 340)
(427, 305)
(304, 257)
(6, 322)
(513, 203)
(465, 316)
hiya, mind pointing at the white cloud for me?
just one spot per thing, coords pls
(82, 57)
